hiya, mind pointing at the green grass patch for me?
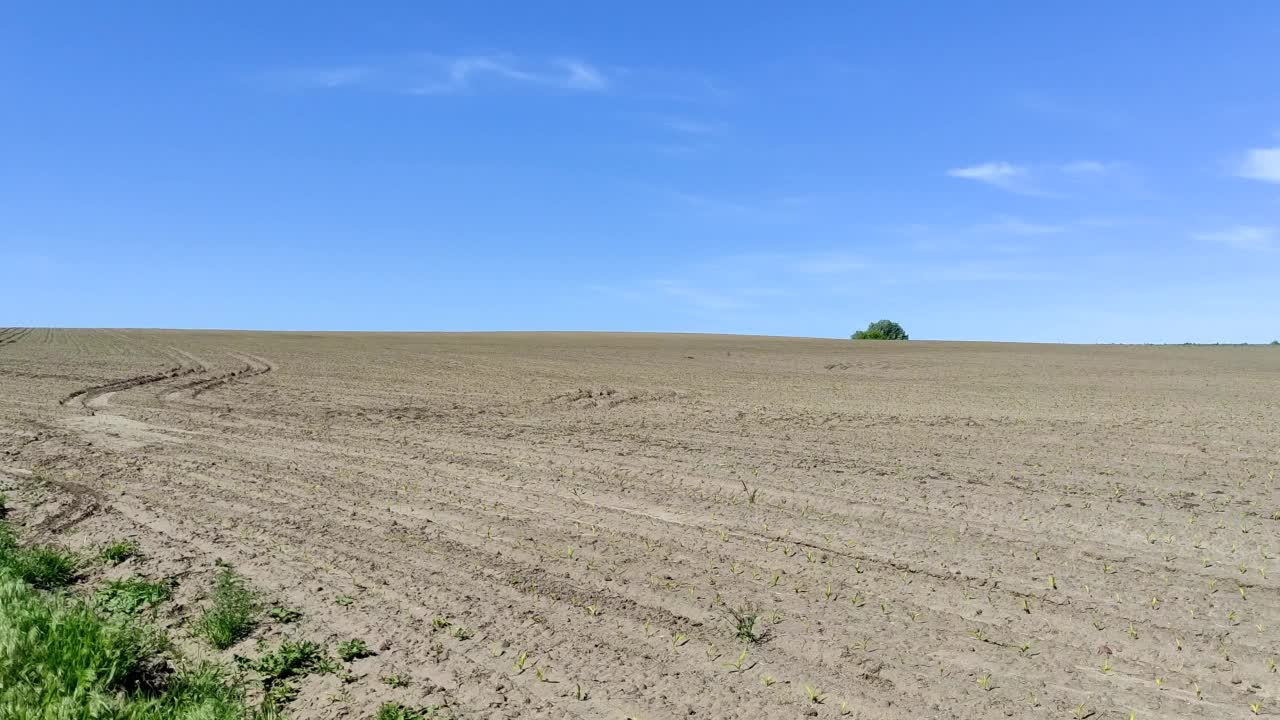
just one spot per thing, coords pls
(232, 613)
(62, 658)
(131, 595)
(119, 551)
(43, 567)
(59, 658)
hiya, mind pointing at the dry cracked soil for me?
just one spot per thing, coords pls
(923, 530)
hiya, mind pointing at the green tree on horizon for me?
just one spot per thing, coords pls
(881, 330)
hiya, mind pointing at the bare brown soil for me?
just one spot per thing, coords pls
(927, 529)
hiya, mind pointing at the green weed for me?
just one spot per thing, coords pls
(282, 614)
(132, 595)
(119, 551)
(232, 614)
(293, 658)
(353, 650)
(744, 621)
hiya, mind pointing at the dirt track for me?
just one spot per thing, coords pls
(929, 529)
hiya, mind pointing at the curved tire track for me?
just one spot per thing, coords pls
(85, 397)
(253, 366)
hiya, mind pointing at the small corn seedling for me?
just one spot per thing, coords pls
(679, 639)
(737, 665)
(1106, 666)
(579, 693)
(1133, 633)
(462, 633)
(1255, 708)
(767, 681)
(440, 622)
(985, 682)
(522, 662)
(814, 694)
(1159, 682)
(1053, 583)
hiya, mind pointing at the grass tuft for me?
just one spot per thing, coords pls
(232, 614)
(42, 567)
(745, 622)
(119, 551)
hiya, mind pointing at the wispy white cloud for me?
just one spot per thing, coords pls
(1261, 164)
(689, 126)
(1003, 175)
(428, 74)
(1242, 237)
(1051, 180)
(467, 72)
(1008, 225)
(1088, 167)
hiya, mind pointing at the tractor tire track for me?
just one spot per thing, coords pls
(13, 335)
(253, 366)
(96, 395)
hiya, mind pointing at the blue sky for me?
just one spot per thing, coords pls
(1087, 172)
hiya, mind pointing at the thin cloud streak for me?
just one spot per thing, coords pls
(1242, 237)
(429, 74)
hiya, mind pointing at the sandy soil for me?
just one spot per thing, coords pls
(928, 529)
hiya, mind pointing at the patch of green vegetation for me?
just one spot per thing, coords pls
(60, 659)
(396, 711)
(881, 330)
(353, 650)
(344, 600)
(282, 614)
(397, 681)
(233, 611)
(133, 594)
(119, 551)
(294, 658)
(42, 567)
(744, 621)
